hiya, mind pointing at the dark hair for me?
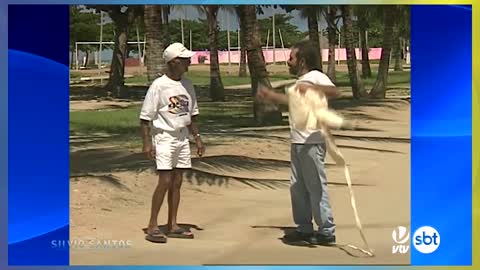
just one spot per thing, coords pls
(307, 51)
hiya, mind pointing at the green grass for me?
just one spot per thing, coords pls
(137, 80)
(74, 74)
(123, 120)
(395, 79)
(113, 122)
(124, 127)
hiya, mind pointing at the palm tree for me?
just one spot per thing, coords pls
(122, 17)
(166, 13)
(331, 18)
(379, 88)
(364, 15)
(242, 72)
(358, 88)
(405, 30)
(312, 14)
(155, 38)
(263, 113)
(216, 85)
(401, 34)
(397, 46)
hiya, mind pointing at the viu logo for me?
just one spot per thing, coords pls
(400, 236)
(426, 239)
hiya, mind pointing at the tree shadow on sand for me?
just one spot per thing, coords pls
(212, 170)
(219, 170)
(108, 178)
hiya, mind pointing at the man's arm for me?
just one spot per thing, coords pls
(193, 128)
(265, 93)
(330, 92)
(148, 149)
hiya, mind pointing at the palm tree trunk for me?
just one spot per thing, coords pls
(72, 58)
(154, 30)
(87, 55)
(166, 22)
(366, 70)
(243, 55)
(379, 88)
(242, 72)
(358, 89)
(216, 85)
(397, 49)
(116, 81)
(332, 42)
(313, 32)
(363, 27)
(264, 114)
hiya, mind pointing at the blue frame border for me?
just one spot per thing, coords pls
(38, 132)
(3, 134)
(442, 131)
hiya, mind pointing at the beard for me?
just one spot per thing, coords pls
(293, 70)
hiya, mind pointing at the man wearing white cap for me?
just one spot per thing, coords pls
(170, 107)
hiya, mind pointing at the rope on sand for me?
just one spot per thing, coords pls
(340, 160)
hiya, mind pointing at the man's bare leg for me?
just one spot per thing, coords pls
(174, 201)
(164, 182)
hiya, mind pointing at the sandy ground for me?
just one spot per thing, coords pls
(237, 199)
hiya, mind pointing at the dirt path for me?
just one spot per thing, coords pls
(237, 197)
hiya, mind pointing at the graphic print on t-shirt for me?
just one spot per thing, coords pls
(178, 105)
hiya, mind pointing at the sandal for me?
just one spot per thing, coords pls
(181, 233)
(156, 236)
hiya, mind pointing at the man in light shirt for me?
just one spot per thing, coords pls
(308, 189)
(167, 119)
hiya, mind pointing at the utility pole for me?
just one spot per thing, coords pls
(273, 36)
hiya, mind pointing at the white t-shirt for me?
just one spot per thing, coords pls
(311, 136)
(170, 104)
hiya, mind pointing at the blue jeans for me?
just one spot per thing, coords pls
(309, 189)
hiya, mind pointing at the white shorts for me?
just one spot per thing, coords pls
(172, 150)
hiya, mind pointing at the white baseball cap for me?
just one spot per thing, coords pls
(175, 50)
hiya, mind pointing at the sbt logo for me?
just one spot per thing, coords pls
(400, 236)
(426, 239)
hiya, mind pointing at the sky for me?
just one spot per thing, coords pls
(191, 12)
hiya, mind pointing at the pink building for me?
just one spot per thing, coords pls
(281, 55)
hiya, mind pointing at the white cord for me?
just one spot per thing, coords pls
(340, 160)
